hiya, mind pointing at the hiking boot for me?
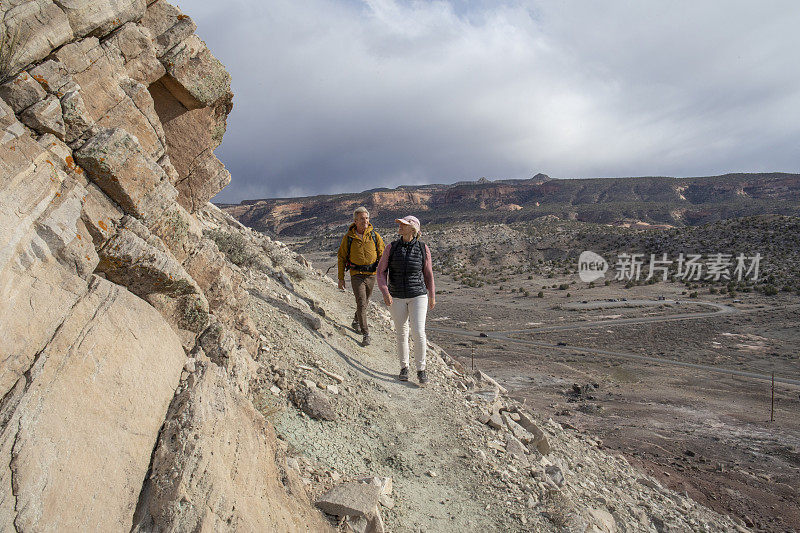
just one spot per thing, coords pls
(422, 377)
(404, 374)
(356, 326)
(367, 340)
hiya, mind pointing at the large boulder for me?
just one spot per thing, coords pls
(35, 28)
(22, 92)
(214, 467)
(115, 161)
(167, 25)
(46, 253)
(99, 17)
(79, 442)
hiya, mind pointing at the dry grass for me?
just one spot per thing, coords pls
(12, 41)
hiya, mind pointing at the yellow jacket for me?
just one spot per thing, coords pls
(362, 250)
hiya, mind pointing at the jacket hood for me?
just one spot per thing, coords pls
(366, 232)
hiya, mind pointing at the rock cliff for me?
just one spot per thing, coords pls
(124, 363)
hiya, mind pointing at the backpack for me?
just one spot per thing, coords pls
(362, 268)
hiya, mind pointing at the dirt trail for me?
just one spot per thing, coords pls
(420, 436)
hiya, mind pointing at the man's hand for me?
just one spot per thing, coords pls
(387, 299)
(431, 302)
(341, 284)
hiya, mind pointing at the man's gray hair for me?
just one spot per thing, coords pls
(358, 210)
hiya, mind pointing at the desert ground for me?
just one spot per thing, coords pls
(680, 386)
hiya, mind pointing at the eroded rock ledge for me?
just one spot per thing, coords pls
(110, 112)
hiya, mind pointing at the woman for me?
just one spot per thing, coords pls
(408, 291)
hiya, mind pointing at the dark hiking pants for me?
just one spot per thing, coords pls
(362, 288)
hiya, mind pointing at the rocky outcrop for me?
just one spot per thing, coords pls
(88, 412)
(214, 467)
(110, 293)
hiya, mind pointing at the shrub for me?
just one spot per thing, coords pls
(540, 294)
(234, 247)
(770, 290)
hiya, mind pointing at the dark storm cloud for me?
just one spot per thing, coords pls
(335, 96)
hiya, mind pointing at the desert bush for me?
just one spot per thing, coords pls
(234, 247)
(540, 294)
(770, 290)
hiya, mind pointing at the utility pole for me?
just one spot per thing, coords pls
(772, 408)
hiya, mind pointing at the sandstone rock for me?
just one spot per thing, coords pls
(51, 75)
(91, 413)
(196, 77)
(41, 26)
(143, 101)
(99, 17)
(100, 215)
(77, 121)
(135, 43)
(484, 379)
(192, 486)
(350, 499)
(22, 92)
(516, 448)
(384, 484)
(134, 259)
(38, 284)
(601, 521)
(168, 25)
(539, 438)
(518, 431)
(45, 117)
(207, 176)
(178, 230)
(78, 56)
(115, 161)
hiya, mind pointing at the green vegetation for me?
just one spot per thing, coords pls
(234, 247)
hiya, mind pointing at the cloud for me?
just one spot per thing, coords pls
(335, 96)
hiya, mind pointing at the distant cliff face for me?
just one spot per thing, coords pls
(660, 201)
(111, 297)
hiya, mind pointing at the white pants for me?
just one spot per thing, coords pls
(415, 310)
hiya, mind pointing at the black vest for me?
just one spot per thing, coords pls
(406, 261)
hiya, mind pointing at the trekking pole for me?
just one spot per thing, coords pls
(772, 408)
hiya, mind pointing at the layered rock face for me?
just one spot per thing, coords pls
(110, 112)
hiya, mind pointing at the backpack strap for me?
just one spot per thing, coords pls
(347, 263)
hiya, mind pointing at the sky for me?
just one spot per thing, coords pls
(338, 96)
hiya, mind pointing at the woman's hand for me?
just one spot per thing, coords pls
(387, 299)
(431, 302)
(341, 284)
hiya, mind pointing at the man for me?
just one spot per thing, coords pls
(360, 251)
